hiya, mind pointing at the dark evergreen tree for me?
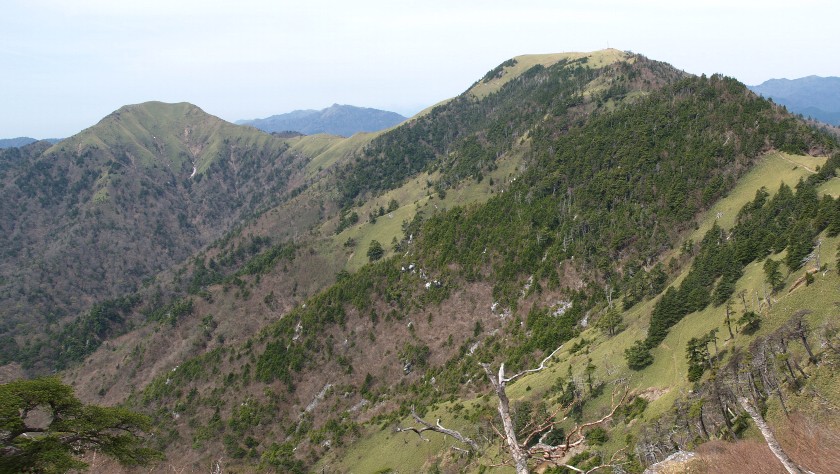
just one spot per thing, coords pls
(657, 280)
(834, 220)
(800, 244)
(375, 251)
(697, 354)
(749, 322)
(837, 258)
(638, 355)
(611, 322)
(772, 274)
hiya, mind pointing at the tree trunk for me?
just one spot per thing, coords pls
(774, 445)
(787, 357)
(798, 368)
(702, 423)
(768, 370)
(729, 320)
(721, 404)
(782, 400)
(811, 358)
(754, 390)
(722, 407)
(520, 457)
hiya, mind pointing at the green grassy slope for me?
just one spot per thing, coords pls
(500, 76)
(327, 150)
(772, 170)
(465, 187)
(665, 379)
(178, 135)
(417, 196)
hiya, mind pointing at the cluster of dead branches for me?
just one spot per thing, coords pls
(771, 367)
(719, 408)
(533, 445)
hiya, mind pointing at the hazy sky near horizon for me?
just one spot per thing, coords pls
(67, 64)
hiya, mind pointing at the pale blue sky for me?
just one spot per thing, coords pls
(66, 64)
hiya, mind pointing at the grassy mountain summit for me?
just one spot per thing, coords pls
(516, 66)
(557, 208)
(172, 135)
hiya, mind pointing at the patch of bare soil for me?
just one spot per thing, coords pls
(652, 393)
(680, 462)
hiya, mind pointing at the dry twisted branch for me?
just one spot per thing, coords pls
(438, 428)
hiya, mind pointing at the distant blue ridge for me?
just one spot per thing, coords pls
(342, 120)
(813, 96)
(23, 141)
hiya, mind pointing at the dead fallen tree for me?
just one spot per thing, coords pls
(523, 451)
(770, 438)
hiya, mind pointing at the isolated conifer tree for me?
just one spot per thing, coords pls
(638, 355)
(375, 251)
(773, 275)
(611, 321)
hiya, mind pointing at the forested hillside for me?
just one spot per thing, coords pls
(464, 138)
(94, 216)
(616, 210)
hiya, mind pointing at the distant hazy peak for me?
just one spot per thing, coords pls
(814, 96)
(344, 120)
(16, 142)
(812, 79)
(23, 141)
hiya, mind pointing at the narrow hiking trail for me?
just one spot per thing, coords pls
(810, 170)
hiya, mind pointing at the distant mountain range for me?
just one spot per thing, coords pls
(343, 120)
(812, 96)
(23, 141)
